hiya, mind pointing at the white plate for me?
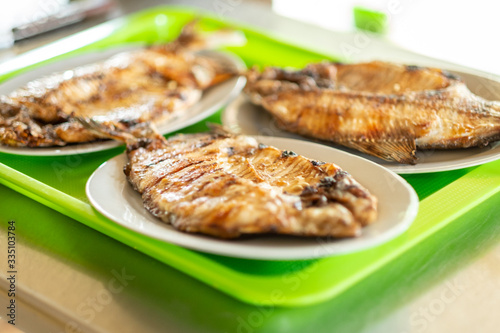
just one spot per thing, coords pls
(211, 101)
(110, 193)
(244, 117)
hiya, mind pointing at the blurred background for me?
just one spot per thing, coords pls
(459, 32)
(463, 32)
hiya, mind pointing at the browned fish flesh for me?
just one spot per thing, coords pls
(382, 109)
(149, 84)
(228, 185)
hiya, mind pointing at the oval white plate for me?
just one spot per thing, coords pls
(212, 100)
(244, 117)
(110, 194)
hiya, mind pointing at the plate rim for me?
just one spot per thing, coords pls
(242, 250)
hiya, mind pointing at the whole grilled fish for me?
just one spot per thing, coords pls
(382, 109)
(149, 84)
(227, 185)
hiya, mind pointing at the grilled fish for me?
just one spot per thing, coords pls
(382, 109)
(149, 84)
(228, 185)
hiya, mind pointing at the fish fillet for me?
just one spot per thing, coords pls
(382, 109)
(151, 84)
(228, 185)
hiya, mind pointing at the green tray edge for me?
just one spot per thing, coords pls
(453, 201)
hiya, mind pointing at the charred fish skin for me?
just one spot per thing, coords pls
(150, 84)
(227, 186)
(381, 109)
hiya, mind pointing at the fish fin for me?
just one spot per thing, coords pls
(401, 150)
(128, 135)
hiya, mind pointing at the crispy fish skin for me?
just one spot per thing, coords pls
(150, 84)
(381, 109)
(227, 185)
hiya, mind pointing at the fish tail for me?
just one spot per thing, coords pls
(223, 69)
(194, 40)
(222, 38)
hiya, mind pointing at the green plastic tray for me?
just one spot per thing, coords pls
(59, 182)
